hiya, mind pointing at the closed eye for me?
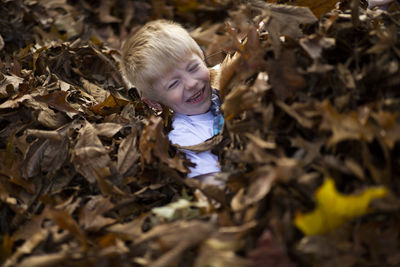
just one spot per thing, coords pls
(193, 67)
(173, 84)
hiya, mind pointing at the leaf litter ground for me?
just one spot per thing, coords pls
(310, 150)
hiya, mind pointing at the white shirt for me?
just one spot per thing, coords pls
(193, 130)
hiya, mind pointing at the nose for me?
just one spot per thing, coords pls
(189, 82)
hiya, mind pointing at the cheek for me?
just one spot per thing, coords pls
(206, 74)
(174, 96)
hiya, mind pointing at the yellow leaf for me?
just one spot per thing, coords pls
(6, 248)
(334, 208)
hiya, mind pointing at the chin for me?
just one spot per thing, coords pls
(201, 110)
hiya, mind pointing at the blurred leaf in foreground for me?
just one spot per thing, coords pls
(319, 8)
(334, 208)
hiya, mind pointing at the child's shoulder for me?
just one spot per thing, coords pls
(187, 131)
(182, 133)
(181, 124)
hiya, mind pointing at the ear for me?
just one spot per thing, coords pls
(152, 104)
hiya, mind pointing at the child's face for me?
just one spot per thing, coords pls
(186, 88)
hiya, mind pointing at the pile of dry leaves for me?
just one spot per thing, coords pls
(310, 150)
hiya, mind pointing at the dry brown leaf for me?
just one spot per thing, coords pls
(284, 77)
(105, 12)
(45, 260)
(46, 155)
(107, 129)
(110, 105)
(57, 100)
(259, 188)
(89, 155)
(11, 103)
(228, 69)
(130, 230)
(314, 44)
(91, 215)
(154, 145)
(205, 146)
(346, 76)
(66, 222)
(345, 127)
(128, 153)
(98, 93)
(27, 247)
(388, 121)
(303, 121)
(9, 84)
(260, 142)
(319, 8)
(280, 20)
(205, 34)
(186, 233)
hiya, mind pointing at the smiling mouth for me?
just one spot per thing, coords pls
(196, 98)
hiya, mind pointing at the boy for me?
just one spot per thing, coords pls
(167, 67)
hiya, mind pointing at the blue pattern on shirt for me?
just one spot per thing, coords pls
(216, 111)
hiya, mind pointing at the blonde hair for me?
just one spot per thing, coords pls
(152, 51)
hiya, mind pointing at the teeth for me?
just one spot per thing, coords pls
(195, 96)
